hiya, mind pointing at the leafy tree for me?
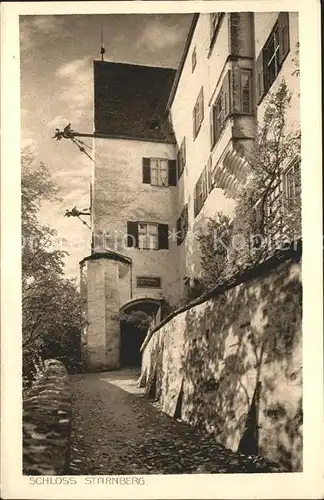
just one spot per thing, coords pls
(275, 147)
(214, 241)
(230, 245)
(52, 309)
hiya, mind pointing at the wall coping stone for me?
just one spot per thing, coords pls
(46, 422)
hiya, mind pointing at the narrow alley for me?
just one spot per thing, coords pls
(116, 430)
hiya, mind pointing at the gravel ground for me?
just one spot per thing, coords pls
(115, 430)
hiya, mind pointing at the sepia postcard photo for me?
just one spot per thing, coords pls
(162, 250)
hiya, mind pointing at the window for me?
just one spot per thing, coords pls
(220, 110)
(147, 235)
(181, 157)
(246, 91)
(193, 60)
(201, 192)
(209, 175)
(271, 59)
(148, 282)
(214, 17)
(292, 183)
(198, 113)
(273, 210)
(215, 22)
(182, 225)
(272, 56)
(159, 172)
(235, 96)
(287, 188)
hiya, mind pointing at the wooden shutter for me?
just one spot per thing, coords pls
(146, 171)
(183, 152)
(283, 30)
(236, 90)
(178, 164)
(163, 236)
(179, 231)
(201, 104)
(226, 95)
(194, 131)
(172, 172)
(212, 129)
(195, 201)
(209, 175)
(217, 120)
(259, 77)
(132, 234)
(205, 183)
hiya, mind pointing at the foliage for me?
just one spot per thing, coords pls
(195, 288)
(52, 309)
(261, 222)
(296, 71)
(214, 242)
(137, 319)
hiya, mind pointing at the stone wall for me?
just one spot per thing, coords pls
(232, 362)
(46, 422)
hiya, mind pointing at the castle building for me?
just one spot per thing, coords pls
(170, 149)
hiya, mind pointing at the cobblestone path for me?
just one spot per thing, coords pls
(116, 430)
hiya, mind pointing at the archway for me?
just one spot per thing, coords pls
(135, 317)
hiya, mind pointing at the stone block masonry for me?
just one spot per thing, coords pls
(46, 423)
(232, 362)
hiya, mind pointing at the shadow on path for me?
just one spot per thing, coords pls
(115, 430)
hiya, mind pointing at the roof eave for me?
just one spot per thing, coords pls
(182, 60)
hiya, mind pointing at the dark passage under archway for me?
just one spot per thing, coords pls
(135, 320)
(132, 337)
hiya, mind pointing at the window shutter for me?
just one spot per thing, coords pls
(178, 164)
(195, 202)
(217, 122)
(184, 152)
(226, 94)
(146, 170)
(236, 90)
(259, 77)
(201, 104)
(172, 172)
(212, 131)
(205, 182)
(209, 175)
(283, 30)
(132, 234)
(194, 131)
(163, 236)
(179, 231)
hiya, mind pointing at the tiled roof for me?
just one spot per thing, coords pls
(130, 101)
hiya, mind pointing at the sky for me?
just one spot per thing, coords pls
(56, 57)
